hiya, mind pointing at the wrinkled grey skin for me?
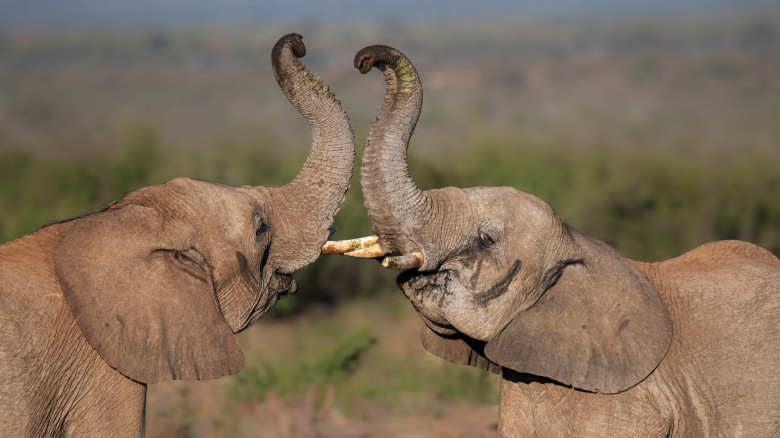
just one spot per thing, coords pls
(153, 287)
(587, 343)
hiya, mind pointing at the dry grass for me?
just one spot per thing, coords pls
(382, 395)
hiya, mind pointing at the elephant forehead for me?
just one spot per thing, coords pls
(232, 211)
(513, 207)
(236, 213)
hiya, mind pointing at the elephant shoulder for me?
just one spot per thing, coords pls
(728, 266)
(34, 250)
(721, 255)
(731, 284)
(31, 302)
(27, 281)
(722, 279)
(724, 300)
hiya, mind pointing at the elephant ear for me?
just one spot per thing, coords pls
(458, 349)
(601, 326)
(143, 297)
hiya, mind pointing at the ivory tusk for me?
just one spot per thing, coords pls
(372, 252)
(368, 248)
(351, 245)
(403, 262)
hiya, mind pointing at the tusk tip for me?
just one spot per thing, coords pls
(404, 262)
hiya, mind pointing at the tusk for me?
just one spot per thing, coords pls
(368, 248)
(407, 261)
(372, 252)
(346, 246)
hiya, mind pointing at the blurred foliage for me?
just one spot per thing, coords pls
(649, 205)
(293, 376)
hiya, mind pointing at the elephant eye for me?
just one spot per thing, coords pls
(486, 240)
(261, 229)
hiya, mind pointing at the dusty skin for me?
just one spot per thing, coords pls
(587, 343)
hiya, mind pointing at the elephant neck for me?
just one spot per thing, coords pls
(521, 393)
(572, 409)
(36, 250)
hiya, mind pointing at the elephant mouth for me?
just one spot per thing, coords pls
(426, 287)
(283, 285)
(428, 294)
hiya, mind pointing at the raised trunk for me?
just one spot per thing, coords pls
(393, 201)
(316, 193)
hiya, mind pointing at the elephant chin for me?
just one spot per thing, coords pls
(282, 285)
(440, 330)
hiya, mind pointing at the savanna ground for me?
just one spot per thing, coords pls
(654, 136)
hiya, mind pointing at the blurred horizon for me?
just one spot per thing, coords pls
(85, 14)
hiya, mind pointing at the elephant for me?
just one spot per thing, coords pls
(586, 342)
(153, 287)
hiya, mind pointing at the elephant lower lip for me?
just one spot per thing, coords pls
(409, 282)
(411, 278)
(284, 285)
(291, 288)
(415, 280)
(425, 288)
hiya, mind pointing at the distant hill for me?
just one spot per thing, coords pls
(155, 13)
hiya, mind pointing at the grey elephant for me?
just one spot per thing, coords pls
(153, 287)
(587, 343)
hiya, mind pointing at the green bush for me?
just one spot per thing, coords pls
(294, 376)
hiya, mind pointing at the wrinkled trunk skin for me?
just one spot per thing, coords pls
(393, 201)
(305, 207)
(405, 219)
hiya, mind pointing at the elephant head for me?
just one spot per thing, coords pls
(496, 275)
(159, 281)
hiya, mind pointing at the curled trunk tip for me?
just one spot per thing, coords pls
(378, 56)
(294, 42)
(412, 260)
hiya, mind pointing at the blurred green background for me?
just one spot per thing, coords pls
(653, 134)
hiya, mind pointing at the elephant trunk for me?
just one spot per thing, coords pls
(393, 201)
(314, 196)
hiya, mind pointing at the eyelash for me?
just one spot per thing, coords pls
(485, 240)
